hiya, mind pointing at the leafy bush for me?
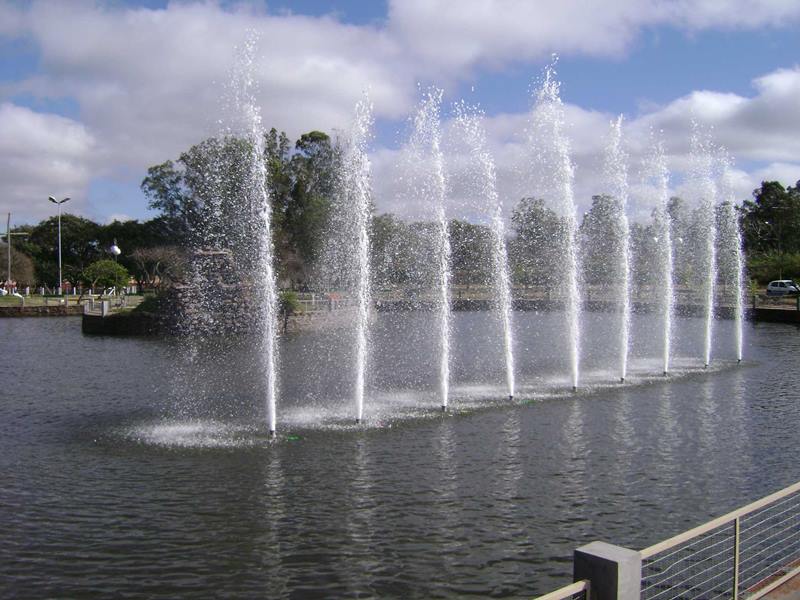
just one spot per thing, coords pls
(768, 266)
(288, 302)
(106, 273)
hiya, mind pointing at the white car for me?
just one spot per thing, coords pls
(782, 287)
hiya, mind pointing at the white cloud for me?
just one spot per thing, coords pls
(761, 131)
(450, 38)
(42, 155)
(148, 83)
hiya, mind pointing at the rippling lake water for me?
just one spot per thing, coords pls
(141, 467)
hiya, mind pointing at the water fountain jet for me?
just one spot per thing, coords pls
(354, 215)
(551, 148)
(617, 176)
(704, 180)
(660, 175)
(732, 250)
(425, 146)
(469, 121)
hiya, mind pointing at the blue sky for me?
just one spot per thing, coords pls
(91, 94)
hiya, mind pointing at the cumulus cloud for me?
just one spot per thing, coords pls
(449, 38)
(148, 83)
(42, 155)
(762, 131)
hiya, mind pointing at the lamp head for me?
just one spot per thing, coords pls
(53, 200)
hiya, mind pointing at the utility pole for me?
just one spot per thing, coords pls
(8, 242)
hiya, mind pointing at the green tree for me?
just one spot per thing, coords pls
(80, 246)
(771, 221)
(288, 304)
(131, 236)
(158, 267)
(394, 245)
(539, 241)
(602, 237)
(470, 252)
(23, 270)
(644, 252)
(208, 198)
(106, 273)
(167, 193)
(306, 210)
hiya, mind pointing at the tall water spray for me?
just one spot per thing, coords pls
(265, 271)
(475, 135)
(660, 172)
(702, 163)
(425, 146)
(259, 206)
(617, 176)
(552, 153)
(356, 197)
(732, 247)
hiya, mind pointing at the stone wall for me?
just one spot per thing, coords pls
(225, 309)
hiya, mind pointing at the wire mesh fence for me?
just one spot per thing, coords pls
(769, 542)
(737, 555)
(702, 567)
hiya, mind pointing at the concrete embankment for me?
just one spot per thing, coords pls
(237, 318)
(769, 314)
(41, 311)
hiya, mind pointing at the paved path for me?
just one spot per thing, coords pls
(788, 591)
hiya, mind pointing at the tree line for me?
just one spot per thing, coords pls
(198, 196)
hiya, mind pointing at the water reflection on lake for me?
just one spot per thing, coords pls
(115, 480)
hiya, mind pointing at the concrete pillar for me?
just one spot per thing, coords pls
(105, 308)
(615, 572)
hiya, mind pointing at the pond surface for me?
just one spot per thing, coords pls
(140, 467)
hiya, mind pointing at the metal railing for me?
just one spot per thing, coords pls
(746, 553)
(580, 590)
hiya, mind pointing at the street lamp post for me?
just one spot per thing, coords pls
(59, 203)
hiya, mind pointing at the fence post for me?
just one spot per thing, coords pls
(615, 572)
(735, 559)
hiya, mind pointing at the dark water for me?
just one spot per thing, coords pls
(126, 473)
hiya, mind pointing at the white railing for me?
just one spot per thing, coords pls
(580, 590)
(746, 553)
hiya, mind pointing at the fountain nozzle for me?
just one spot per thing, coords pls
(358, 421)
(272, 434)
(738, 361)
(574, 388)
(665, 373)
(622, 380)
(444, 408)
(511, 396)
(705, 366)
